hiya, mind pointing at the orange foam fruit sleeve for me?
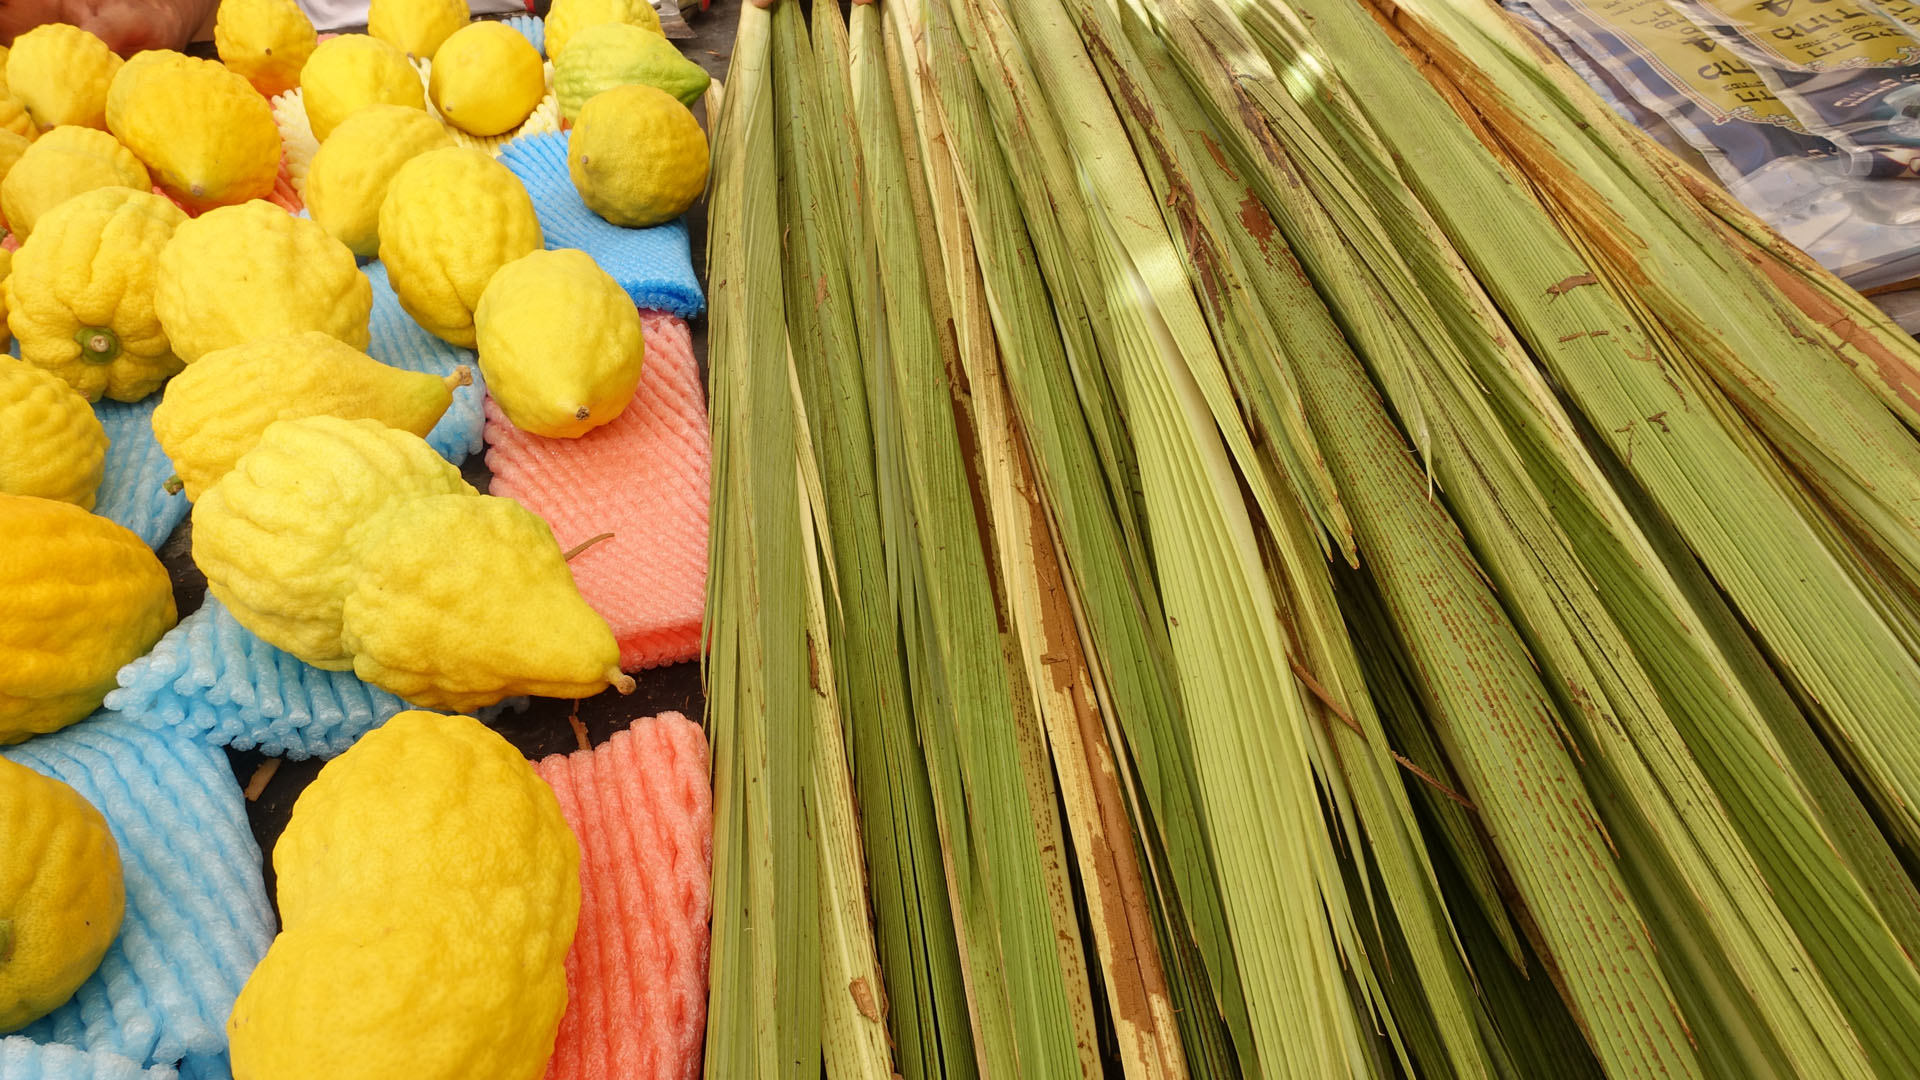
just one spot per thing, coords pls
(642, 808)
(643, 478)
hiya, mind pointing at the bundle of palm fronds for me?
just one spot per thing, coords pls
(1281, 538)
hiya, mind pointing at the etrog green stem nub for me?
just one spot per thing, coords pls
(98, 345)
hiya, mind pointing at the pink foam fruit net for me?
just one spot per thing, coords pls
(637, 975)
(642, 478)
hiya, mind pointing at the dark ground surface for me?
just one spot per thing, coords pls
(544, 728)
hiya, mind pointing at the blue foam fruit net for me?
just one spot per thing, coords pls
(197, 918)
(654, 265)
(23, 1059)
(132, 483)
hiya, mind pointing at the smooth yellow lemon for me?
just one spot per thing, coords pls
(416, 27)
(352, 71)
(266, 42)
(560, 343)
(487, 78)
(62, 893)
(637, 156)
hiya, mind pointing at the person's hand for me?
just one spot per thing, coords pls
(127, 26)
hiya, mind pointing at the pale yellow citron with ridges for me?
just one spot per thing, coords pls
(51, 443)
(272, 534)
(204, 132)
(637, 156)
(442, 819)
(131, 83)
(450, 219)
(84, 597)
(487, 79)
(62, 893)
(351, 544)
(266, 42)
(80, 296)
(214, 412)
(567, 17)
(61, 164)
(560, 343)
(130, 80)
(607, 55)
(464, 625)
(242, 273)
(416, 27)
(61, 73)
(349, 176)
(350, 72)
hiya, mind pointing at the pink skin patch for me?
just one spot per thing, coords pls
(643, 478)
(637, 974)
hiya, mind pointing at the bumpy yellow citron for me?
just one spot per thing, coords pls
(351, 544)
(128, 81)
(51, 443)
(80, 297)
(349, 176)
(568, 17)
(607, 55)
(464, 624)
(272, 534)
(61, 164)
(61, 73)
(486, 79)
(62, 893)
(441, 819)
(84, 597)
(214, 412)
(560, 343)
(450, 219)
(205, 133)
(242, 273)
(416, 27)
(266, 42)
(352, 71)
(637, 156)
